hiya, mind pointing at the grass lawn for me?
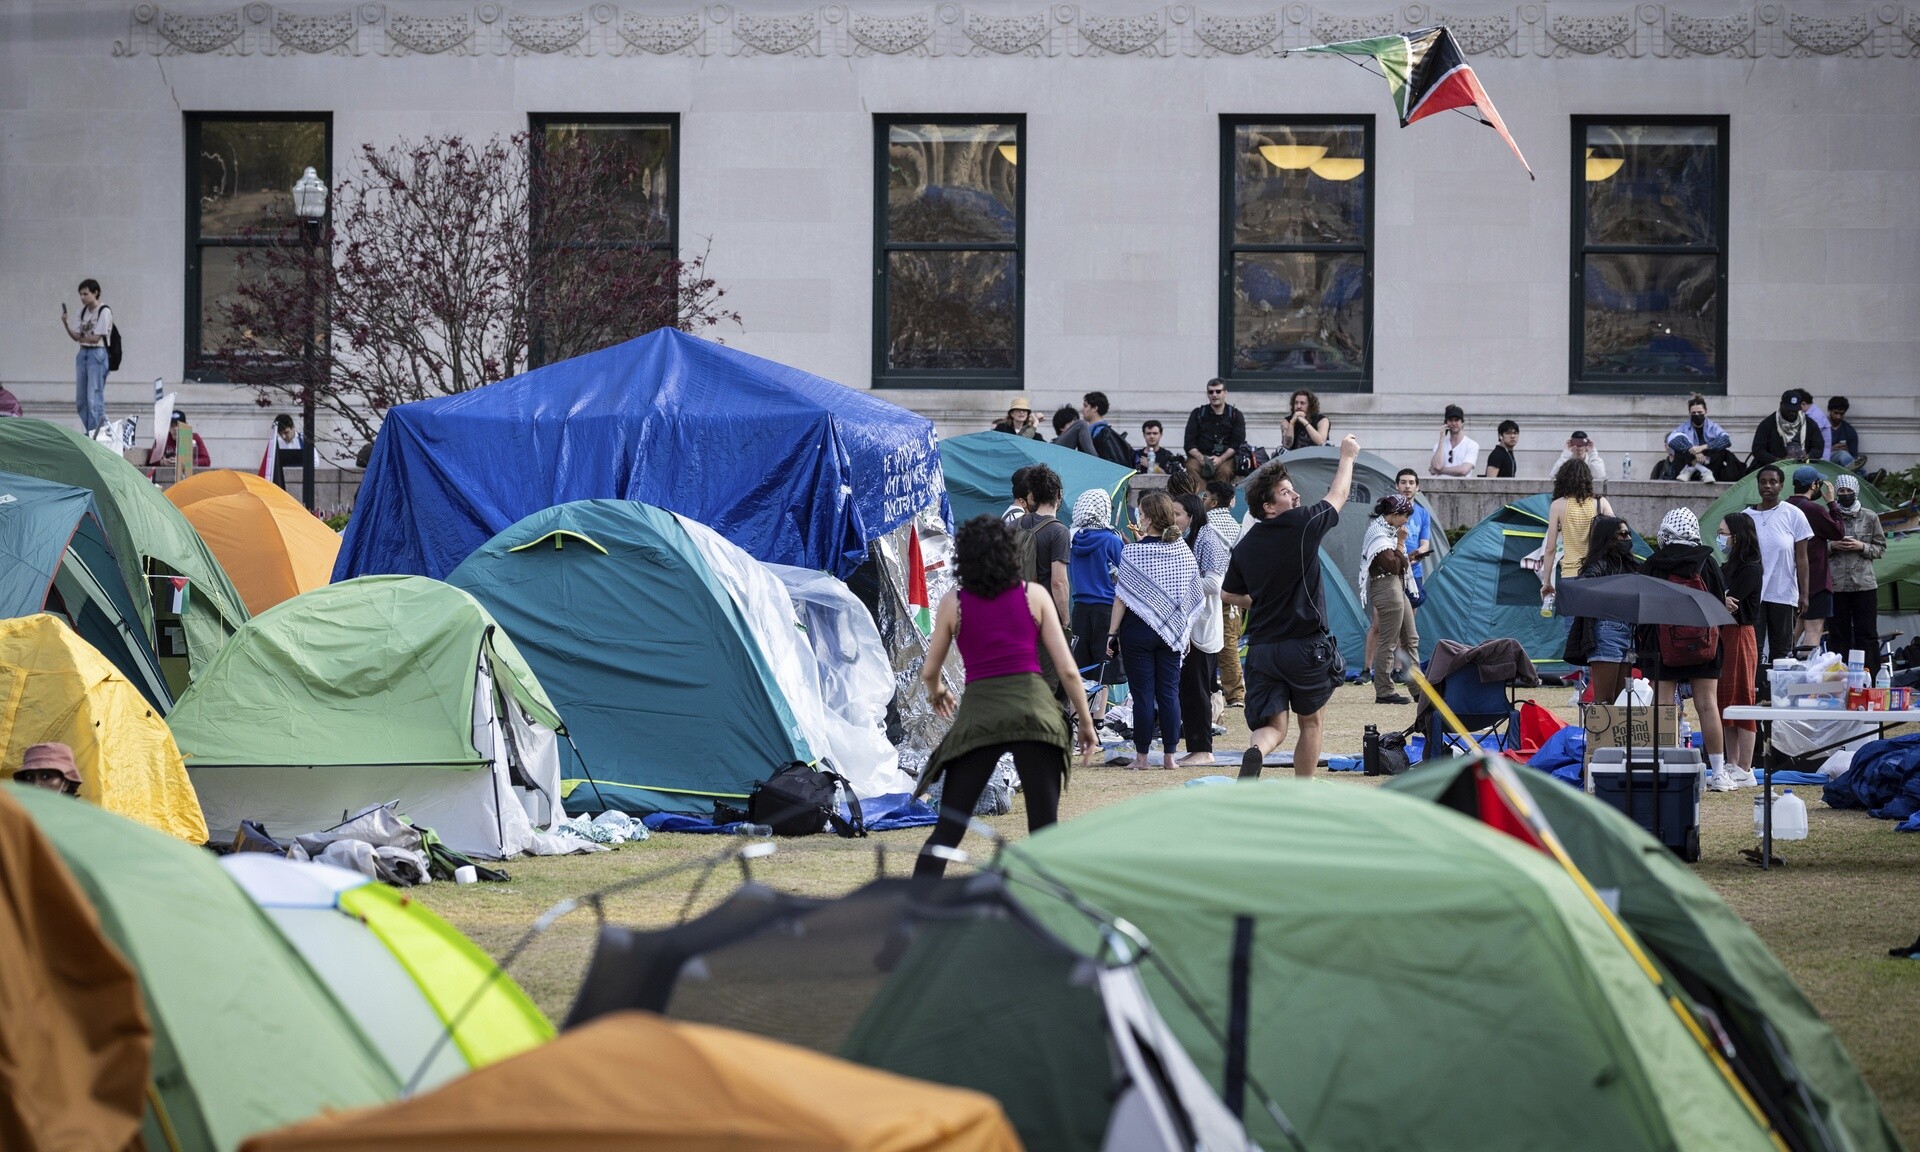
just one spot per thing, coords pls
(1845, 897)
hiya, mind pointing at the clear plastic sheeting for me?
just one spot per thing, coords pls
(852, 674)
(918, 730)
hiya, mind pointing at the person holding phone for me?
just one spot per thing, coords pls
(94, 332)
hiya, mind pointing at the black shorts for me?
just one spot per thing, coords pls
(1819, 606)
(1090, 644)
(1295, 676)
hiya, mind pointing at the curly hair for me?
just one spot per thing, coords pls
(1043, 485)
(1573, 481)
(1156, 517)
(1260, 490)
(985, 559)
(1313, 404)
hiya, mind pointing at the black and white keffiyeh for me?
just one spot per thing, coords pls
(1222, 521)
(1680, 526)
(1211, 552)
(1159, 581)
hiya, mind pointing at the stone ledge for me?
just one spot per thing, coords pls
(1469, 500)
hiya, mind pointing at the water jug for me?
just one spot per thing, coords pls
(1789, 816)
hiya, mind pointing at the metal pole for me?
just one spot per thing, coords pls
(310, 233)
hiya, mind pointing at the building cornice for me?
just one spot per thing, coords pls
(1537, 29)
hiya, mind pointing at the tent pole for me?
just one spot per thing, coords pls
(1234, 1081)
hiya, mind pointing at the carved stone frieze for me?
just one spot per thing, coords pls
(890, 36)
(1238, 35)
(1765, 29)
(660, 35)
(1591, 35)
(1010, 35)
(1710, 37)
(776, 35)
(1120, 35)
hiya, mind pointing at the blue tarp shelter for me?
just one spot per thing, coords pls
(792, 468)
(979, 469)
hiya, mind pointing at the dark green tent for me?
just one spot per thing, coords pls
(1413, 978)
(1779, 1037)
(54, 557)
(979, 469)
(1899, 575)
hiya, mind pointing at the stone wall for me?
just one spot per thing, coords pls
(1462, 501)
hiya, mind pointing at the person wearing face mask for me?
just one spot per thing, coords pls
(1787, 434)
(1855, 622)
(1699, 449)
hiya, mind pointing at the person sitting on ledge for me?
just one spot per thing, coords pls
(1699, 449)
(1500, 461)
(1580, 446)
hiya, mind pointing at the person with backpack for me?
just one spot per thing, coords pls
(1000, 622)
(1216, 431)
(1043, 544)
(1095, 436)
(1670, 653)
(96, 337)
(1157, 595)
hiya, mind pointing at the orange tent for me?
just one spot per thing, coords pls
(74, 1042)
(272, 548)
(635, 1080)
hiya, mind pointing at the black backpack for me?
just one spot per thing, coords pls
(1112, 445)
(115, 347)
(1025, 547)
(799, 801)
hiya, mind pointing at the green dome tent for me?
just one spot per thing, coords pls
(148, 535)
(1415, 979)
(381, 688)
(979, 468)
(1710, 951)
(1483, 592)
(58, 560)
(1899, 575)
(245, 1037)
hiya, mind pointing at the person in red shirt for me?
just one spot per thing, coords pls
(200, 457)
(1814, 497)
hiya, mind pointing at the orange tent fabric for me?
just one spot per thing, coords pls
(74, 1042)
(635, 1080)
(272, 548)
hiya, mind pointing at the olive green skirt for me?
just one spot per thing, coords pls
(1001, 710)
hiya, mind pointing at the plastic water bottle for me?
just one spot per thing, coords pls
(745, 829)
(1857, 683)
(1686, 730)
(1882, 687)
(1626, 466)
(1546, 604)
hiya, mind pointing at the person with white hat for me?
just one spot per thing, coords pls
(1019, 421)
(49, 766)
(1855, 622)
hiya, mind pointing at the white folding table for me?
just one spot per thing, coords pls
(1765, 715)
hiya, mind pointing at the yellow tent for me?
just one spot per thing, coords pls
(635, 1080)
(272, 548)
(55, 687)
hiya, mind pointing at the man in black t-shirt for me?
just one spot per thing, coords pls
(1052, 540)
(1292, 661)
(1500, 461)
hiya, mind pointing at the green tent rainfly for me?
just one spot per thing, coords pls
(149, 535)
(245, 1037)
(1415, 976)
(1713, 954)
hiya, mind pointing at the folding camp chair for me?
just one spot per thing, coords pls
(1483, 707)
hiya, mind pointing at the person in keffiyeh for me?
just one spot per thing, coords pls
(1090, 568)
(1157, 595)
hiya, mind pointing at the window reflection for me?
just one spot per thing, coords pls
(1298, 205)
(951, 184)
(1660, 192)
(1652, 315)
(950, 310)
(1299, 312)
(632, 162)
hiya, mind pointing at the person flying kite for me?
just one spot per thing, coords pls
(1427, 73)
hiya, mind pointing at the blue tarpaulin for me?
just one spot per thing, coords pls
(792, 468)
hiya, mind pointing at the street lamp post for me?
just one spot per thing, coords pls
(310, 205)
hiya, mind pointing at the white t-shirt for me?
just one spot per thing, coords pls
(1779, 528)
(95, 326)
(1466, 452)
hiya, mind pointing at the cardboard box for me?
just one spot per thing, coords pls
(1606, 726)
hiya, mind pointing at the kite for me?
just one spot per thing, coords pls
(1427, 73)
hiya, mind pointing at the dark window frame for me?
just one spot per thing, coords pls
(195, 366)
(1578, 382)
(537, 125)
(971, 378)
(1341, 382)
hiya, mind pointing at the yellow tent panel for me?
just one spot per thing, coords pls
(56, 688)
(272, 548)
(633, 1080)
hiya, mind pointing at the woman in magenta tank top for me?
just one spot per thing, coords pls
(999, 622)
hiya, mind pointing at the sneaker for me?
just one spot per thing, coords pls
(1219, 729)
(1396, 698)
(1399, 675)
(1743, 777)
(1722, 780)
(1236, 703)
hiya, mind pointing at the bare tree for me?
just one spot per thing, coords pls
(449, 265)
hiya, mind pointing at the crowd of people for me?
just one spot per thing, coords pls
(1215, 443)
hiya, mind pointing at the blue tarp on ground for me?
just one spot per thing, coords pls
(792, 468)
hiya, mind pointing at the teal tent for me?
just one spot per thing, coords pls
(1483, 592)
(668, 693)
(980, 467)
(54, 557)
(1785, 1053)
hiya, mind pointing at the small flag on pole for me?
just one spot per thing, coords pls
(917, 599)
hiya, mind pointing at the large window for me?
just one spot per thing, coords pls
(240, 173)
(949, 229)
(1649, 254)
(611, 187)
(1296, 244)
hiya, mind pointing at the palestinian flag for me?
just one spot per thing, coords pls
(917, 585)
(1427, 73)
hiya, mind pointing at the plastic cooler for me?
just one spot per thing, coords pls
(1682, 780)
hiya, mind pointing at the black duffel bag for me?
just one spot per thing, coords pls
(799, 801)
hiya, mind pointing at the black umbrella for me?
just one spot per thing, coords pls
(1638, 599)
